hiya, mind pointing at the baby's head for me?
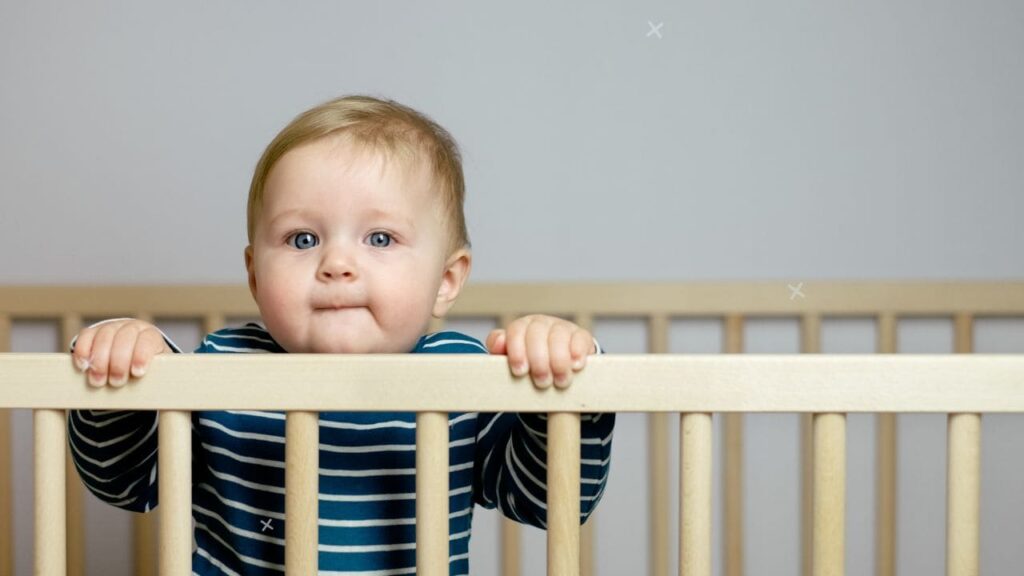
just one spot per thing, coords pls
(356, 228)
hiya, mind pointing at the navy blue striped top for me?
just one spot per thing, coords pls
(367, 473)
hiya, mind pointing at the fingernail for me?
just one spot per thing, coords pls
(95, 379)
(545, 382)
(117, 382)
(520, 369)
(561, 381)
(578, 364)
(138, 371)
(81, 363)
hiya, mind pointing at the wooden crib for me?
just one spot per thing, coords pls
(823, 388)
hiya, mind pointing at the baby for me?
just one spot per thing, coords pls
(356, 240)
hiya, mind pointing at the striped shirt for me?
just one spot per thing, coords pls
(367, 478)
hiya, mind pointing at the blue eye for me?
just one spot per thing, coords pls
(303, 240)
(380, 239)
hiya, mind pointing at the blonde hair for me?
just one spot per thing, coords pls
(383, 126)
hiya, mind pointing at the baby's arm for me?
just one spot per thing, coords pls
(115, 451)
(550, 349)
(512, 448)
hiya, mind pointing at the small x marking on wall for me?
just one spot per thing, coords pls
(655, 29)
(795, 291)
(266, 525)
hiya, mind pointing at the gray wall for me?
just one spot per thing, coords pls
(790, 141)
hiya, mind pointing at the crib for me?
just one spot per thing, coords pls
(822, 388)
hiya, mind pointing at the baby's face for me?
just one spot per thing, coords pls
(347, 258)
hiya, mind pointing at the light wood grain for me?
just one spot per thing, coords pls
(563, 479)
(51, 526)
(695, 455)
(972, 383)
(302, 493)
(432, 494)
(174, 470)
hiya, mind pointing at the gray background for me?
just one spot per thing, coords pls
(790, 140)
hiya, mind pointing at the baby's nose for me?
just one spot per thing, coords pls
(336, 267)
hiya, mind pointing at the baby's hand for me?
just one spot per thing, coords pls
(549, 348)
(112, 349)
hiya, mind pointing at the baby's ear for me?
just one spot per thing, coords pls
(456, 271)
(250, 268)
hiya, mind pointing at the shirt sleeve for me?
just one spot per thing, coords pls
(510, 470)
(115, 451)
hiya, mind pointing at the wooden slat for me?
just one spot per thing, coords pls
(657, 457)
(841, 383)
(70, 325)
(302, 493)
(432, 530)
(810, 343)
(923, 298)
(146, 527)
(769, 298)
(50, 527)
(587, 561)
(885, 466)
(145, 532)
(732, 469)
(212, 321)
(6, 510)
(511, 544)
(174, 469)
(695, 454)
(829, 494)
(963, 497)
(563, 463)
(511, 540)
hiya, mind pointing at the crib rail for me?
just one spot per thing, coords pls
(658, 304)
(693, 386)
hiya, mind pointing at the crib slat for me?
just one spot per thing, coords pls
(145, 554)
(963, 497)
(70, 325)
(6, 511)
(432, 494)
(50, 529)
(829, 494)
(657, 450)
(302, 493)
(586, 321)
(174, 467)
(810, 343)
(563, 462)
(695, 495)
(212, 321)
(511, 540)
(732, 468)
(885, 481)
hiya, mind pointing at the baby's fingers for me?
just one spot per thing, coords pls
(496, 341)
(99, 353)
(83, 348)
(537, 353)
(559, 340)
(582, 345)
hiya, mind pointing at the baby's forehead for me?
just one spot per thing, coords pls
(404, 163)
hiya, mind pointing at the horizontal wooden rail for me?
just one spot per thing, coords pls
(836, 298)
(614, 383)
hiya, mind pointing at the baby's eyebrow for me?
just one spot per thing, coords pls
(287, 213)
(386, 215)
